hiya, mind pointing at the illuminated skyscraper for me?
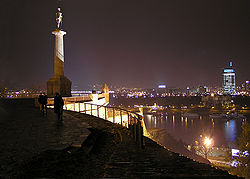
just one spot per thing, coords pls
(229, 80)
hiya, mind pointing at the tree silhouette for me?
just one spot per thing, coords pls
(241, 161)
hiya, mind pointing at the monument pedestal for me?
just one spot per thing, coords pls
(59, 84)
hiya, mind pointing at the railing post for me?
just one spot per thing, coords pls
(135, 129)
(140, 132)
(121, 116)
(105, 112)
(85, 108)
(91, 109)
(113, 115)
(74, 106)
(142, 136)
(79, 107)
(131, 126)
(97, 110)
(128, 120)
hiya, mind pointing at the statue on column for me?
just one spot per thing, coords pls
(59, 18)
(59, 83)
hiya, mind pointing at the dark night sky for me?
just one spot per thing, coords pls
(133, 43)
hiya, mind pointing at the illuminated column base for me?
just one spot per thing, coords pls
(59, 84)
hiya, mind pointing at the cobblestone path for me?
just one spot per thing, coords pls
(24, 133)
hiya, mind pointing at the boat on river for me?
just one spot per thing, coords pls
(217, 115)
(235, 115)
(191, 115)
(226, 116)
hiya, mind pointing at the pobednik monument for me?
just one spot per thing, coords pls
(59, 83)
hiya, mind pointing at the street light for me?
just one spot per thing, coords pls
(208, 144)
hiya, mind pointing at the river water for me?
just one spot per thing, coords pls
(224, 132)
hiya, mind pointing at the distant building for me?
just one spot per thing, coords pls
(229, 85)
(202, 90)
(245, 87)
(162, 89)
(216, 100)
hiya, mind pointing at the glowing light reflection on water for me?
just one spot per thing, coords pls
(188, 129)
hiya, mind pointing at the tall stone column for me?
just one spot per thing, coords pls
(59, 53)
(59, 83)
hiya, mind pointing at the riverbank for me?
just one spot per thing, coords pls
(162, 137)
(108, 151)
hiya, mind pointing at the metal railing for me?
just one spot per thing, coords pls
(131, 120)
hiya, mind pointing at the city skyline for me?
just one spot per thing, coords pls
(127, 43)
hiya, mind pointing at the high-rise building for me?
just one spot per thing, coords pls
(229, 84)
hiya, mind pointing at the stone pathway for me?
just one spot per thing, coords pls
(24, 133)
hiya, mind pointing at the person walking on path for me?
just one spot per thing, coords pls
(44, 102)
(40, 98)
(58, 106)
